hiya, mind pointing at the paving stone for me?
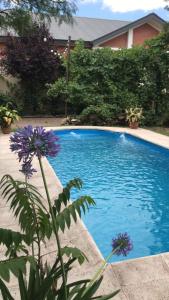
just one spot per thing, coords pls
(6, 218)
(152, 290)
(142, 269)
(165, 258)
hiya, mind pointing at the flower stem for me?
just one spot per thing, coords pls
(38, 236)
(36, 230)
(32, 244)
(54, 227)
(100, 270)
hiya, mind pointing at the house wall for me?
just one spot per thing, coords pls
(143, 33)
(117, 42)
(139, 36)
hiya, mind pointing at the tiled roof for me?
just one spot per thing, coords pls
(93, 29)
(84, 28)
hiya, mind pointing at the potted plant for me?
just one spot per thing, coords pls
(7, 117)
(133, 116)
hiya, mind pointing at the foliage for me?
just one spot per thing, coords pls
(8, 115)
(30, 59)
(18, 14)
(166, 7)
(134, 114)
(40, 221)
(58, 93)
(26, 203)
(98, 114)
(136, 77)
(59, 88)
(5, 98)
(19, 17)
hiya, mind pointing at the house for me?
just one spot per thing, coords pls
(97, 33)
(116, 34)
(107, 33)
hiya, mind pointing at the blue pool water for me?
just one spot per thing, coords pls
(129, 180)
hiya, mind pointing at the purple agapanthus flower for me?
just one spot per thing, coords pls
(122, 244)
(28, 142)
(27, 169)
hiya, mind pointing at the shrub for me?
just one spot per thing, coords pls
(98, 115)
(124, 78)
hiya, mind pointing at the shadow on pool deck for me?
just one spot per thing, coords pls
(46, 122)
(139, 279)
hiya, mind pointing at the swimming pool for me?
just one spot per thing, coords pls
(129, 180)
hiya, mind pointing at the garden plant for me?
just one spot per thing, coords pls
(40, 220)
(133, 116)
(8, 115)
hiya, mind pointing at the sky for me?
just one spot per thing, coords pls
(121, 9)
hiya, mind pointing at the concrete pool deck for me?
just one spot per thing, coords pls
(139, 279)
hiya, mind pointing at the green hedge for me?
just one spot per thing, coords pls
(105, 82)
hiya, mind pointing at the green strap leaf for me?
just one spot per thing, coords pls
(22, 287)
(5, 291)
(109, 296)
(89, 292)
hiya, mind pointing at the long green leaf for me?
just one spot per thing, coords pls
(5, 291)
(22, 287)
(89, 292)
(106, 297)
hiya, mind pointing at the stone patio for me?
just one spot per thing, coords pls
(46, 122)
(139, 279)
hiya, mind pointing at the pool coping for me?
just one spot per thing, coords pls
(133, 276)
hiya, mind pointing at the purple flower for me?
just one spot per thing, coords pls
(122, 244)
(27, 169)
(28, 142)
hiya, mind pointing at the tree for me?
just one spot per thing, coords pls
(166, 7)
(17, 14)
(31, 60)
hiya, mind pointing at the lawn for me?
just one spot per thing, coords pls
(162, 130)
